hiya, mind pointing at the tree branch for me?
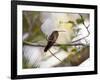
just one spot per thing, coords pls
(43, 45)
(86, 29)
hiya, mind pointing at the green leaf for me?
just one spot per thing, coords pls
(79, 20)
(64, 47)
(74, 50)
(71, 22)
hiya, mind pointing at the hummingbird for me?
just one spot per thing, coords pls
(51, 40)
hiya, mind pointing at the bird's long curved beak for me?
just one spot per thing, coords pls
(61, 31)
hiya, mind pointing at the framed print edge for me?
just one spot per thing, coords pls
(96, 39)
(14, 4)
(13, 39)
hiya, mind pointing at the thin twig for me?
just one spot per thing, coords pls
(86, 29)
(88, 26)
(55, 56)
(63, 63)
